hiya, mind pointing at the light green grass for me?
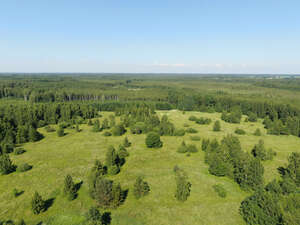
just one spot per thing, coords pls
(53, 157)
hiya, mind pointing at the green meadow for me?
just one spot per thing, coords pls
(54, 157)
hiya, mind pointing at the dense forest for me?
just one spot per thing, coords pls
(54, 102)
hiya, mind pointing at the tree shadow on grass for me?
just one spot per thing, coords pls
(281, 170)
(48, 203)
(106, 218)
(18, 193)
(124, 195)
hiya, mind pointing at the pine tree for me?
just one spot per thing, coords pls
(96, 126)
(77, 128)
(69, 188)
(33, 135)
(217, 126)
(182, 148)
(94, 217)
(117, 195)
(183, 186)
(60, 132)
(257, 132)
(105, 124)
(21, 222)
(6, 165)
(112, 161)
(141, 188)
(126, 143)
(37, 204)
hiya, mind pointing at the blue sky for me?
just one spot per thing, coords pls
(204, 36)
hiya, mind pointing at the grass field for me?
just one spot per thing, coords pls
(53, 157)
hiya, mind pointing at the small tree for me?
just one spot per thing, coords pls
(6, 165)
(96, 126)
(257, 132)
(112, 161)
(217, 126)
(37, 204)
(105, 124)
(33, 135)
(153, 140)
(69, 188)
(60, 132)
(183, 186)
(94, 217)
(182, 148)
(118, 130)
(21, 222)
(77, 128)
(90, 123)
(141, 188)
(126, 143)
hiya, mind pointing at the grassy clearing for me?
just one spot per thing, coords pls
(53, 157)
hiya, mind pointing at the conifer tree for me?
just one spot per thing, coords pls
(60, 132)
(69, 188)
(183, 186)
(141, 187)
(96, 126)
(94, 217)
(217, 126)
(6, 165)
(126, 142)
(37, 204)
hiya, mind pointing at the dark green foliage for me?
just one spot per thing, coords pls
(37, 204)
(96, 126)
(118, 130)
(191, 131)
(94, 217)
(138, 128)
(69, 188)
(122, 152)
(112, 161)
(6, 148)
(107, 134)
(257, 132)
(261, 208)
(60, 132)
(183, 186)
(195, 138)
(153, 140)
(220, 190)
(126, 143)
(97, 171)
(287, 185)
(107, 194)
(23, 167)
(274, 187)
(6, 165)
(33, 135)
(141, 188)
(239, 131)
(166, 128)
(217, 126)
(90, 123)
(293, 168)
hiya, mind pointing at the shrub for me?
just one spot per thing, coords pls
(7, 148)
(204, 121)
(107, 134)
(217, 126)
(193, 118)
(195, 138)
(220, 190)
(192, 148)
(113, 170)
(239, 131)
(257, 132)
(49, 129)
(19, 151)
(138, 128)
(182, 148)
(6, 165)
(252, 117)
(60, 132)
(96, 126)
(179, 132)
(153, 140)
(23, 167)
(141, 188)
(37, 204)
(186, 125)
(118, 130)
(191, 131)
